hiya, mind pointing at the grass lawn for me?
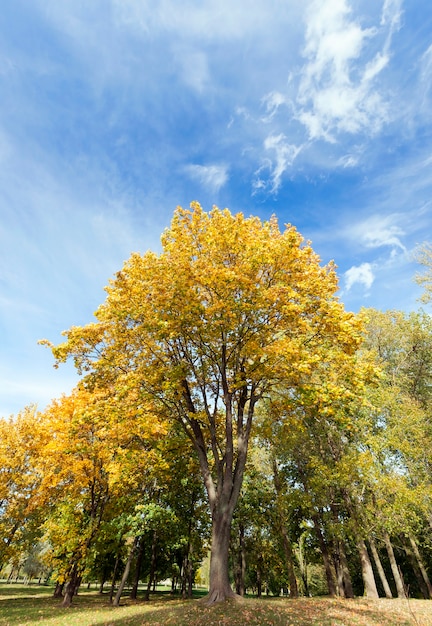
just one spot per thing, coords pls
(30, 605)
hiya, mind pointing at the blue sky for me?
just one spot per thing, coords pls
(114, 112)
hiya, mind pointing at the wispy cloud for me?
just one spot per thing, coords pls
(210, 20)
(272, 103)
(282, 155)
(335, 94)
(348, 160)
(391, 15)
(378, 231)
(212, 177)
(338, 92)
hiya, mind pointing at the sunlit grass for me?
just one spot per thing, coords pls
(25, 606)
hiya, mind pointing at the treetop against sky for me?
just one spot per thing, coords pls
(113, 113)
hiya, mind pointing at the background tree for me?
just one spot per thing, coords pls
(401, 439)
(86, 466)
(21, 439)
(424, 256)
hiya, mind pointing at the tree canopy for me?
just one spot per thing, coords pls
(231, 309)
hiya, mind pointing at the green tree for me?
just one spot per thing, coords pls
(401, 439)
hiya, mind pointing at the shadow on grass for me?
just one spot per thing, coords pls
(164, 609)
(21, 606)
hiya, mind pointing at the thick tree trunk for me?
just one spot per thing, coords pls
(400, 588)
(340, 559)
(380, 569)
(220, 588)
(370, 589)
(71, 587)
(97, 508)
(331, 584)
(343, 573)
(224, 490)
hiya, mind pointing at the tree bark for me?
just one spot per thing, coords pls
(58, 591)
(220, 588)
(343, 573)
(98, 503)
(400, 588)
(190, 575)
(331, 584)
(421, 566)
(416, 568)
(370, 589)
(380, 569)
(259, 576)
(72, 586)
(223, 490)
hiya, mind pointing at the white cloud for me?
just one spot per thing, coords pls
(361, 274)
(391, 14)
(375, 66)
(337, 93)
(211, 176)
(378, 231)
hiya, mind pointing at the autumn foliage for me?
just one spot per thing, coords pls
(232, 336)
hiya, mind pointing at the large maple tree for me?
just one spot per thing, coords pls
(230, 310)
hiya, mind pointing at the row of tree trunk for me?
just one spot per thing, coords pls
(336, 566)
(136, 553)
